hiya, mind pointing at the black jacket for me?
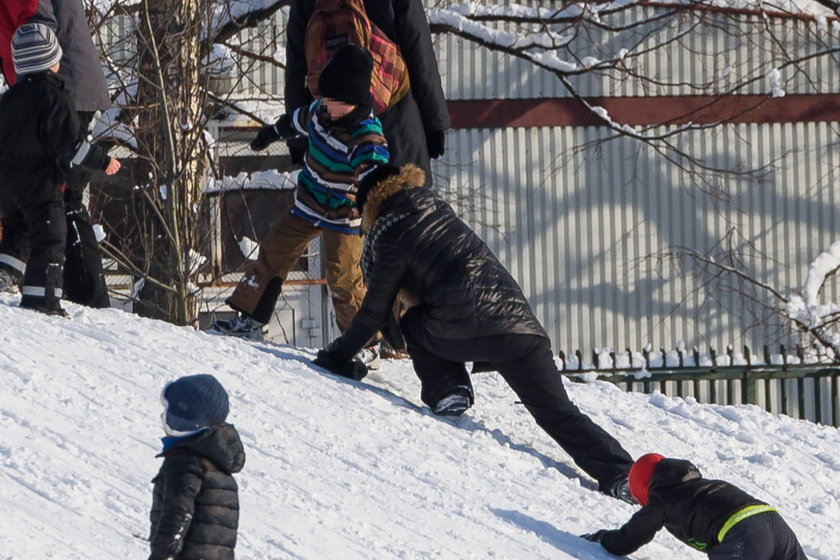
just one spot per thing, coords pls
(404, 22)
(40, 132)
(418, 248)
(195, 512)
(690, 507)
(80, 66)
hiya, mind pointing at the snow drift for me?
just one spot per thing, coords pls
(340, 469)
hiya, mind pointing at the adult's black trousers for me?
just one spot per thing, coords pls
(84, 276)
(527, 364)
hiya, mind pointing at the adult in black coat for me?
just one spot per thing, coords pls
(712, 516)
(195, 510)
(81, 72)
(415, 126)
(463, 306)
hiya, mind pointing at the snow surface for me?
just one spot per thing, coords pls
(343, 470)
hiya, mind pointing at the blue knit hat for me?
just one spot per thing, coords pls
(35, 48)
(193, 402)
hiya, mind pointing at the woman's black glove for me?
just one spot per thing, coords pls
(597, 536)
(436, 143)
(352, 368)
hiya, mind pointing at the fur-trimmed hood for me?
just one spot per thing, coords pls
(410, 176)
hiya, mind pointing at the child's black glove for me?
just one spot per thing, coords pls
(297, 149)
(283, 128)
(352, 368)
(597, 536)
(265, 137)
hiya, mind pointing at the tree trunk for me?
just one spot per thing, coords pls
(170, 118)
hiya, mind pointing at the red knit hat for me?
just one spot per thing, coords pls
(640, 475)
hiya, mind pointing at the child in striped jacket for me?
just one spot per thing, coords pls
(345, 144)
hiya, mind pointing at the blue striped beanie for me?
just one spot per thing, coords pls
(35, 48)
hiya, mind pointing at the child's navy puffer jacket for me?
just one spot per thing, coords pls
(195, 512)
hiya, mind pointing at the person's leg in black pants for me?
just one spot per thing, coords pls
(14, 238)
(527, 364)
(439, 377)
(84, 276)
(41, 204)
(533, 375)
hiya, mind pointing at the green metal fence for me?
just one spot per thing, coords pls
(804, 391)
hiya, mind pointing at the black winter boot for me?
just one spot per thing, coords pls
(455, 403)
(369, 355)
(620, 490)
(241, 326)
(48, 302)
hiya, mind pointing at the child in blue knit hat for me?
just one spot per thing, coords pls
(195, 493)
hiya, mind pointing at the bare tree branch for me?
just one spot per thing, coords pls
(247, 20)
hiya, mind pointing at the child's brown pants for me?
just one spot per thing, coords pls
(257, 292)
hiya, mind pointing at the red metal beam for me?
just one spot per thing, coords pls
(645, 111)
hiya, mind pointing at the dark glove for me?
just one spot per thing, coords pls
(436, 143)
(597, 536)
(265, 137)
(285, 129)
(297, 149)
(352, 368)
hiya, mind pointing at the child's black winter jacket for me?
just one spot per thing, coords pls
(40, 131)
(690, 507)
(195, 512)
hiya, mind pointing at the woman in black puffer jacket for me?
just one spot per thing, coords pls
(463, 306)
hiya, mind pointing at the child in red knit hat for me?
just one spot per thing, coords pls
(712, 516)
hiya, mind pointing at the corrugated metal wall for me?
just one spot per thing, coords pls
(577, 227)
(704, 53)
(712, 53)
(578, 221)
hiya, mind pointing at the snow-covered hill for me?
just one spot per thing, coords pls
(344, 470)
